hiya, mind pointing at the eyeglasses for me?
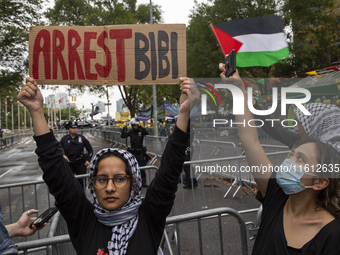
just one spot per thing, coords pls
(101, 181)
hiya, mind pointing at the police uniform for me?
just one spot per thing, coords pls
(137, 149)
(74, 150)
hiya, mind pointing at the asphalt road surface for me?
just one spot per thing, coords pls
(18, 163)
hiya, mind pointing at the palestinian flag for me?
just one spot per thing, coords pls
(257, 41)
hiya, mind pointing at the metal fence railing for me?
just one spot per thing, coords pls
(219, 231)
(175, 226)
(7, 141)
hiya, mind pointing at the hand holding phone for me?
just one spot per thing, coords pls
(44, 217)
(230, 63)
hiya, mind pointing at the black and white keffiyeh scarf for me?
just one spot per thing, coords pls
(323, 123)
(124, 219)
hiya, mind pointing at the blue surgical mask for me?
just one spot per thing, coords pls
(289, 175)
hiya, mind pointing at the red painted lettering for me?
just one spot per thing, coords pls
(104, 71)
(58, 56)
(120, 35)
(45, 49)
(73, 56)
(88, 54)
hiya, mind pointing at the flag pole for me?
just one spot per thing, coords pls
(6, 112)
(18, 117)
(154, 91)
(0, 115)
(25, 118)
(12, 119)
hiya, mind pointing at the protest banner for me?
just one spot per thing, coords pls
(108, 55)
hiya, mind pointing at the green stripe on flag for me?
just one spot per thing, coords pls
(260, 58)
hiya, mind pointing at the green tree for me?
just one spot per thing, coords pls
(141, 96)
(203, 52)
(312, 33)
(16, 17)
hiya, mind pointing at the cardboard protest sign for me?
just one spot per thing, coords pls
(108, 55)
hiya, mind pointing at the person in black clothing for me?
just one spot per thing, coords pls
(137, 134)
(118, 221)
(301, 208)
(73, 145)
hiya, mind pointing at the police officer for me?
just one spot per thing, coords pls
(137, 134)
(73, 145)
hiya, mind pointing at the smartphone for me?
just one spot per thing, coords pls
(230, 63)
(44, 217)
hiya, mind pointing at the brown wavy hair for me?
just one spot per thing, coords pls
(329, 159)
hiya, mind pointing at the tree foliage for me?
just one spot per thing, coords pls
(313, 36)
(203, 52)
(101, 13)
(16, 17)
(311, 28)
(140, 96)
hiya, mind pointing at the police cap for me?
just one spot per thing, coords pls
(72, 124)
(134, 121)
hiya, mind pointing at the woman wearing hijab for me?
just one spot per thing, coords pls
(118, 221)
(300, 198)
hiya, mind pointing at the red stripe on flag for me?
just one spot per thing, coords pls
(227, 42)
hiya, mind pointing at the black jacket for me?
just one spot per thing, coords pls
(74, 148)
(136, 136)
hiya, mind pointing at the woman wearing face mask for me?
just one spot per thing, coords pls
(118, 222)
(300, 198)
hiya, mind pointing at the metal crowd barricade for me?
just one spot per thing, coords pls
(174, 222)
(218, 149)
(155, 144)
(217, 178)
(211, 148)
(10, 140)
(20, 197)
(150, 171)
(275, 159)
(206, 133)
(198, 217)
